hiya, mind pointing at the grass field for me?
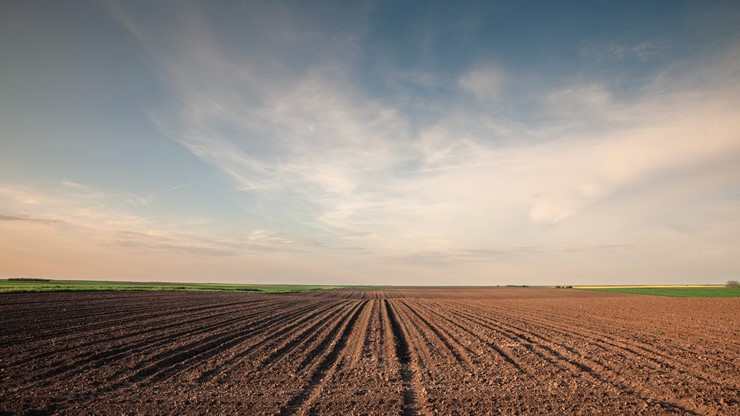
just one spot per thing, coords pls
(34, 286)
(687, 291)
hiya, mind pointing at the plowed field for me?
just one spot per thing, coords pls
(425, 351)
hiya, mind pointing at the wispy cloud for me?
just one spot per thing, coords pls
(20, 195)
(90, 215)
(456, 257)
(29, 219)
(336, 160)
(488, 162)
(147, 199)
(642, 50)
(483, 82)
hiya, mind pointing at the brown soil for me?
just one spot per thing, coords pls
(421, 351)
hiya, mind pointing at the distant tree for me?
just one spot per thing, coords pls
(732, 283)
(27, 279)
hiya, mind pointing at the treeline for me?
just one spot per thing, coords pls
(27, 279)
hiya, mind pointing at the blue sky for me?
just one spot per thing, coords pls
(386, 142)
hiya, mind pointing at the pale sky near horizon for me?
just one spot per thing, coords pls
(371, 142)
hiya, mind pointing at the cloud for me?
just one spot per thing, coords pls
(350, 165)
(642, 50)
(329, 163)
(260, 242)
(484, 83)
(29, 219)
(20, 195)
(483, 255)
(267, 238)
(580, 100)
(616, 51)
(144, 243)
(94, 223)
(147, 199)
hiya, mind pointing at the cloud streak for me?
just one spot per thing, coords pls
(321, 153)
(30, 219)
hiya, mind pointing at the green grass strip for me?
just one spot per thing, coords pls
(41, 286)
(678, 292)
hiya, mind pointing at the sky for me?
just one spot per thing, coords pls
(371, 142)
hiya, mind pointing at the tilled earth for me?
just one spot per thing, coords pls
(421, 351)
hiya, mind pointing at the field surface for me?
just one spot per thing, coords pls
(407, 352)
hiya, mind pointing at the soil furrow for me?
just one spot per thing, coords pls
(357, 343)
(81, 361)
(298, 404)
(105, 320)
(275, 336)
(180, 359)
(409, 373)
(321, 341)
(215, 348)
(507, 357)
(227, 338)
(554, 353)
(457, 350)
(305, 336)
(133, 331)
(632, 349)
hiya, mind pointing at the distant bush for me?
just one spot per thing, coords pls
(732, 283)
(27, 279)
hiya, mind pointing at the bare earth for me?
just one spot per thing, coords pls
(425, 351)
